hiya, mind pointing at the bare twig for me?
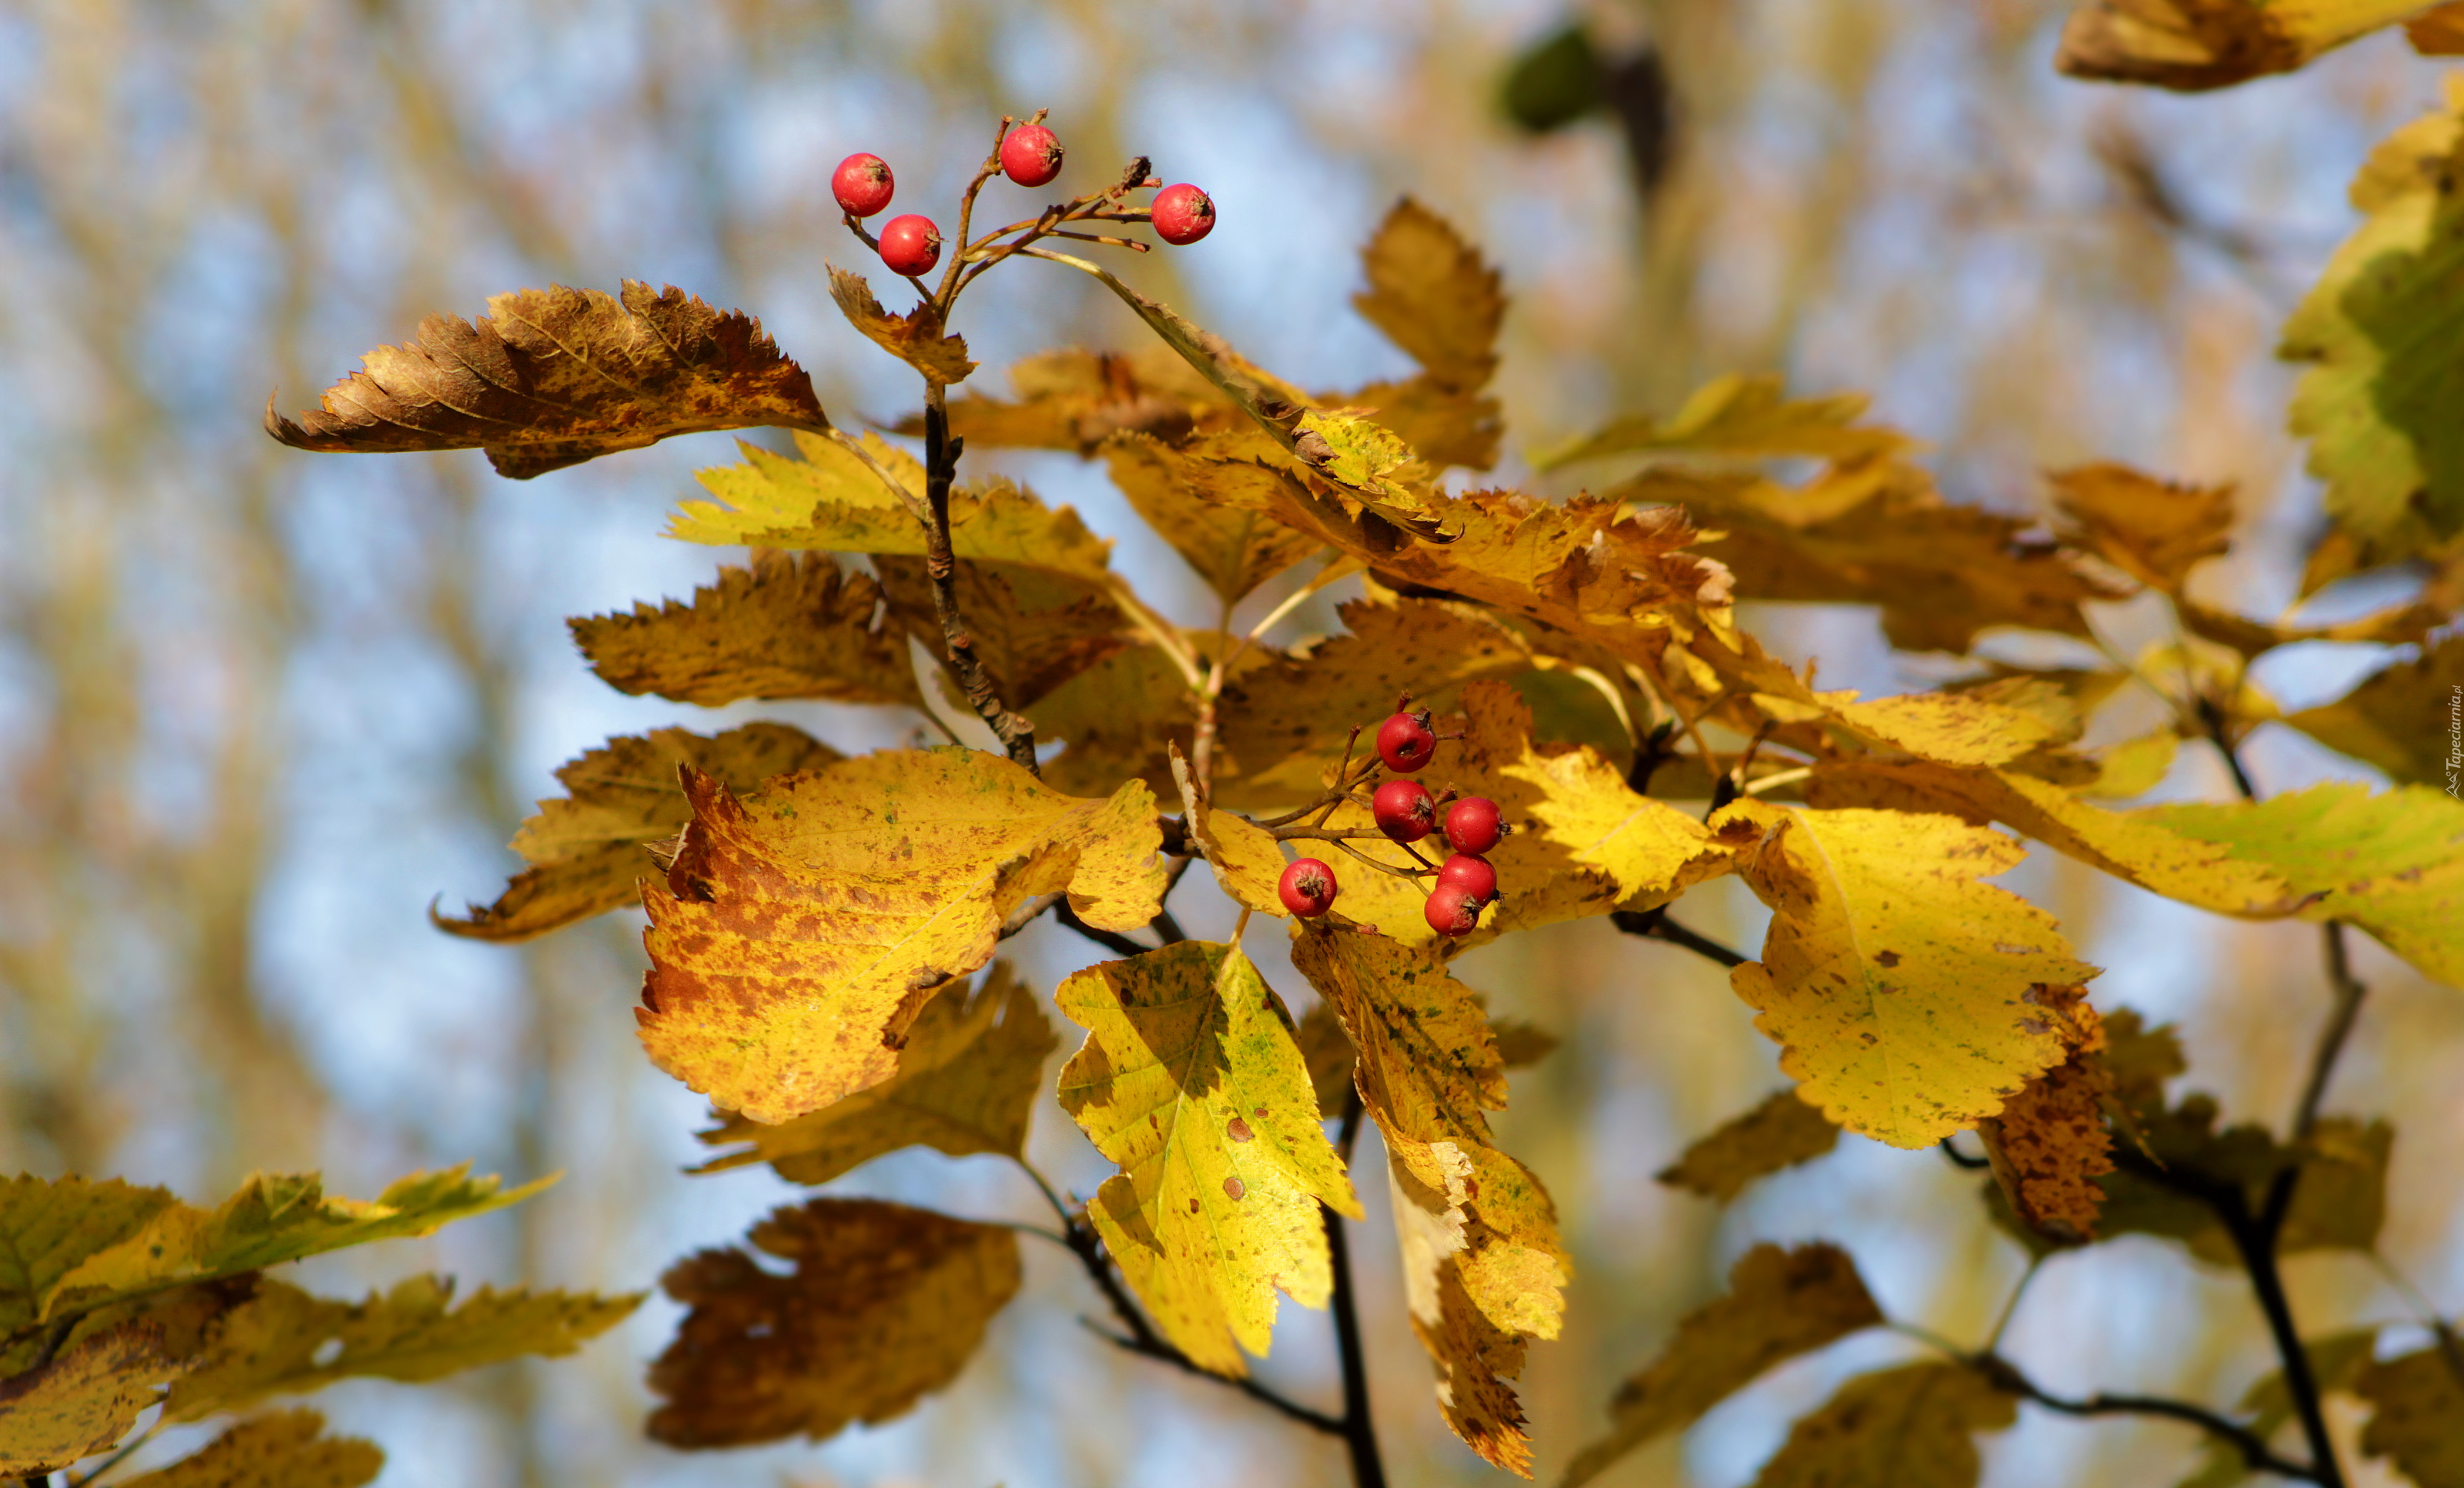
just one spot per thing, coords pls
(2254, 1452)
(2349, 993)
(1113, 941)
(1359, 1433)
(1655, 924)
(1017, 735)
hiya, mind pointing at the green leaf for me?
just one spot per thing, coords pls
(1780, 1304)
(588, 849)
(2392, 864)
(885, 1304)
(1190, 1080)
(788, 626)
(967, 1080)
(288, 1341)
(1912, 1427)
(1782, 1133)
(274, 1218)
(286, 1449)
(1553, 82)
(2381, 331)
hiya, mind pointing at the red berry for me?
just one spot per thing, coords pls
(862, 184)
(1453, 910)
(1472, 826)
(1183, 214)
(911, 244)
(1405, 742)
(1308, 888)
(1030, 155)
(1404, 811)
(1471, 874)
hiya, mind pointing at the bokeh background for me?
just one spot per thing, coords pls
(258, 709)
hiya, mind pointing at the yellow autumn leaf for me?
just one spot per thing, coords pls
(49, 1226)
(1949, 728)
(2195, 45)
(2156, 531)
(2398, 624)
(1234, 549)
(2392, 864)
(2397, 719)
(1248, 862)
(1911, 1427)
(1373, 462)
(1880, 534)
(2130, 845)
(284, 1340)
(285, 1449)
(587, 849)
(1076, 400)
(788, 626)
(83, 1399)
(804, 927)
(1745, 417)
(885, 1304)
(966, 1082)
(1432, 294)
(914, 337)
(1116, 717)
(1780, 1303)
(1781, 1132)
(1904, 992)
(1191, 1082)
(828, 500)
(1484, 1268)
(1444, 426)
(272, 1217)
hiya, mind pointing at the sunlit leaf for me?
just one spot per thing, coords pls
(967, 1080)
(1432, 294)
(49, 1227)
(914, 337)
(1191, 1082)
(1905, 993)
(1780, 1303)
(802, 928)
(885, 1304)
(788, 626)
(2156, 531)
(2193, 45)
(1077, 400)
(2392, 864)
(587, 848)
(1912, 1427)
(551, 378)
(83, 1399)
(1032, 631)
(286, 1449)
(1234, 550)
(1780, 1134)
(2381, 331)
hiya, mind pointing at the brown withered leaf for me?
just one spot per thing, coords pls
(2398, 624)
(587, 848)
(1234, 550)
(2156, 531)
(1781, 1132)
(2195, 45)
(1910, 1427)
(1780, 1303)
(2418, 1411)
(1076, 400)
(914, 337)
(1433, 296)
(1033, 630)
(790, 626)
(886, 1303)
(2049, 1144)
(551, 378)
(284, 1449)
(2437, 33)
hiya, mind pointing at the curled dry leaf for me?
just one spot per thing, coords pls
(2049, 1144)
(914, 337)
(551, 378)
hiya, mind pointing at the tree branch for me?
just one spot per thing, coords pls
(1359, 1433)
(2341, 1016)
(1655, 924)
(941, 452)
(2256, 1453)
(1113, 941)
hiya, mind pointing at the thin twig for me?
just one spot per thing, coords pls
(2254, 1452)
(1017, 735)
(2349, 993)
(1359, 1433)
(1110, 940)
(1317, 1420)
(1960, 1159)
(1655, 924)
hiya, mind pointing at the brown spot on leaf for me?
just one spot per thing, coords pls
(1240, 1130)
(1886, 958)
(1235, 1188)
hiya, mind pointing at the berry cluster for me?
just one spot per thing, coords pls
(1030, 155)
(1406, 813)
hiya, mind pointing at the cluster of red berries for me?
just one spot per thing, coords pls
(1405, 811)
(1030, 155)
